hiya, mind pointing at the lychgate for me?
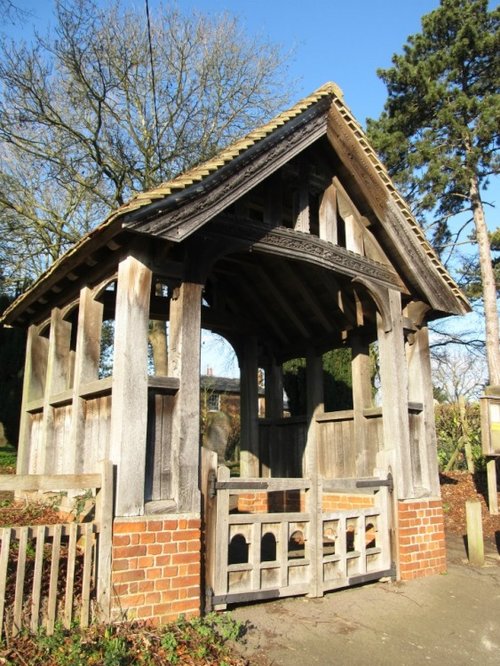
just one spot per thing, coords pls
(289, 243)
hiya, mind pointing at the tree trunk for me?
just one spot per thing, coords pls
(489, 285)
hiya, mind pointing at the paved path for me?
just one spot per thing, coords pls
(449, 619)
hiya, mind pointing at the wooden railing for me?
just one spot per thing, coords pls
(51, 573)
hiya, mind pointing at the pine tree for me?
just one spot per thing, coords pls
(439, 131)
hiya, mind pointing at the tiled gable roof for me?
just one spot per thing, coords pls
(197, 174)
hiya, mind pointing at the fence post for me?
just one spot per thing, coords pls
(491, 469)
(104, 508)
(475, 543)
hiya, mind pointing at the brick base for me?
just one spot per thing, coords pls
(295, 500)
(156, 567)
(342, 501)
(422, 550)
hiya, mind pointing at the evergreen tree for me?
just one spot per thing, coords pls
(439, 131)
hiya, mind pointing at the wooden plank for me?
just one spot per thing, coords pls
(222, 538)
(97, 388)
(37, 578)
(64, 527)
(58, 373)
(46, 482)
(249, 410)
(421, 396)
(302, 221)
(282, 553)
(105, 518)
(35, 368)
(70, 577)
(384, 527)
(88, 549)
(339, 415)
(20, 574)
(249, 518)
(184, 364)
(166, 384)
(54, 576)
(86, 370)
(209, 515)
(362, 399)
(315, 406)
(254, 556)
(491, 471)
(4, 562)
(328, 215)
(130, 395)
(475, 542)
(394, 380)
(274, 391)
(235, 484)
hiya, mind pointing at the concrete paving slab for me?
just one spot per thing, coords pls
(453, 618)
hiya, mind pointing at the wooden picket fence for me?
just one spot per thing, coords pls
(57, 573)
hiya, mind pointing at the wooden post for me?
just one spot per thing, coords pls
(56, 382)
(274, 412)
(475, 543)
(104, 512)
(35, 372)
(361, 399)
(491, 470)
(394, 379)
(130, 385)
(88, 344)
(209, 517)
(184, 363)
(274, 390)
(249, 410)
(302, 223)
(315, 406)
(420, 392)
(328, 215)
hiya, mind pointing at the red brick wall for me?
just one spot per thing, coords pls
(156, 567)
(294, 500)
(422, 550)
(253, 502)
(341, 501)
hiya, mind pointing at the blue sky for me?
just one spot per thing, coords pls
(332, 40)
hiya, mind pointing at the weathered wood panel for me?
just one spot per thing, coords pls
(282, 444)
(35, 440)
(61, 433)
(130, 385)
(417, 437)
(159, 447)
(337, 454)
(35, 371)
(97, 431)
(184, 363)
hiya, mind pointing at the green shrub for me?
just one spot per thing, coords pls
(454, 430)
(200, 642)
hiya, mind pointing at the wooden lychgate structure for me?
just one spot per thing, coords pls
(291, 242)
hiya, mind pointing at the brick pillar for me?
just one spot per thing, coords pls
(422, 550)
(156, 567)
